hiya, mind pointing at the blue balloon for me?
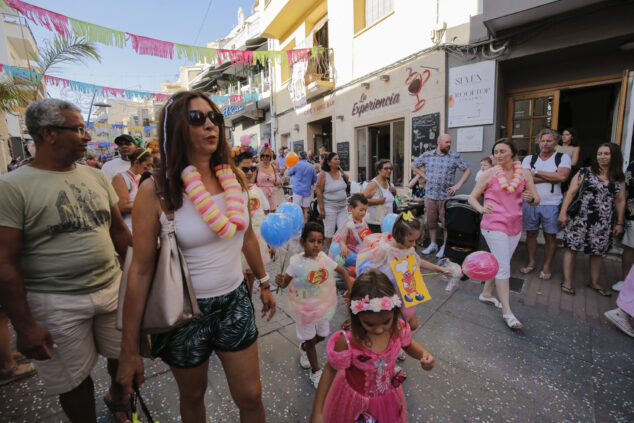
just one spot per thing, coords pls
(388, 223)
(351, 258)
(276, 229)
(295, 215)
(335, 249)
(364, 266)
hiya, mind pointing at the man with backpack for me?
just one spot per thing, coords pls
(549, 169)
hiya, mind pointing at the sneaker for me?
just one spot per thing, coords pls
(431, 248)
(617, 286)
(314, 377)
(303, 358)
(441, 252)
(621, 320)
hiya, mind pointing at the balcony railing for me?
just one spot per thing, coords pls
(320, 67)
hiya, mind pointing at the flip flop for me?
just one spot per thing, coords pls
(17, 372)
(567, 290)
(545, 276)
(601, 291)
(527, 269)
(117, 409)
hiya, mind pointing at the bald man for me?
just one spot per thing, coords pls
(439, 167)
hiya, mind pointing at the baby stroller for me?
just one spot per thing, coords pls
(462, 223)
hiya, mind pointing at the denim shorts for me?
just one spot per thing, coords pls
(544, 216)
(226, 323)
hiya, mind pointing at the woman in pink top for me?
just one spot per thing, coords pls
(266, 177)
(504, 187)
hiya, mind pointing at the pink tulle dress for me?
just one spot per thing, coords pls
(367, 381)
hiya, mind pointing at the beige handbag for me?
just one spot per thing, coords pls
(170, 300)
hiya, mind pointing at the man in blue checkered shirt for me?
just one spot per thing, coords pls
(439, 167)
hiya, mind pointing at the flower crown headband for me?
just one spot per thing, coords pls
(375, 304)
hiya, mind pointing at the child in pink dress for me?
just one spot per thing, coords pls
(365, 353)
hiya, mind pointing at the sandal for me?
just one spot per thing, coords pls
(511, 321)
(118, 409)
(401, 357)
(17, 372)
(527, 269)
(545, 276)
(601, 291)
(492, 301)
(18, 356)
(567, 290)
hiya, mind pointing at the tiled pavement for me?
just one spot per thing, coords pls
(567, 364)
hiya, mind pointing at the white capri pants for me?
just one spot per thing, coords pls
(334, 217)
(502, 246)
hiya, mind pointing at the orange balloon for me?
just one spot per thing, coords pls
(292, 159)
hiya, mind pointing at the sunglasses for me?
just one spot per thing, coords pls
(247, 169)
(265, 156)
(198, 118)
(387, 168)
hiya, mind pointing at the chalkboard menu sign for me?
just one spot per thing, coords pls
(343, 151)
(298, 146)
(425, 131)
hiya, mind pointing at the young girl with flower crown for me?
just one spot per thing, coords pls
(364, 355)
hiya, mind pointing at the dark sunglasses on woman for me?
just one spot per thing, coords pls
(246, 169)
(265, 156)
(198, 118)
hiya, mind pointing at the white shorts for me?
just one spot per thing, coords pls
(502, 246)
(334, 217)
(628, 234)
(306, 332)
(302, 201)
(82, 326)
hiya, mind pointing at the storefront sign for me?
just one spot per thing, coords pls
(471, 94)
(298, 146)
(232, 110)
(470, 139)
(364, 105)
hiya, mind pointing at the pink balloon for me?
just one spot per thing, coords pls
(480, 266)
(245, 140)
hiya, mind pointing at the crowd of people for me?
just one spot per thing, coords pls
(66, 229)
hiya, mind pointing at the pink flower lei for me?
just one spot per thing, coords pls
(225, 226)
(375, 304)
(516, 179)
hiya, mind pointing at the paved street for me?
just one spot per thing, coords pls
(567, 364)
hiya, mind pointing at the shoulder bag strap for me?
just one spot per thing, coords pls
(161, 195)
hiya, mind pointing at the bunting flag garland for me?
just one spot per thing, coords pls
(151, 46)
(97, 33)
(41, 16)
(63, 25)
(82, 87)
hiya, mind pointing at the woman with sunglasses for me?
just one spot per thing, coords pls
(380, 194)
(194, 147)
(266, 176)
(126, 183)
(258, 206)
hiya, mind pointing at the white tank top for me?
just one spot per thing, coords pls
(213, 262)
(374, 215)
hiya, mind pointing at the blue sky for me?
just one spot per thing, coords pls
(176, 21)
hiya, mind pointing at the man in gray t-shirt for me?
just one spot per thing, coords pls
(59, 280)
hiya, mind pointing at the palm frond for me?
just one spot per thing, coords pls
(63, 51)
(14, 93)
